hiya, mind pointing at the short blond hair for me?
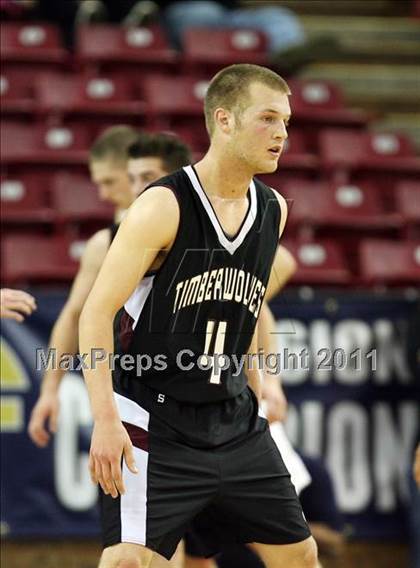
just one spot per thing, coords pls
(112, 144)
(230, 87)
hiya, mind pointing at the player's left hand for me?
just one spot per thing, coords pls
(275, 400)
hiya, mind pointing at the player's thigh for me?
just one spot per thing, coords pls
(126, 555)
(299, 555)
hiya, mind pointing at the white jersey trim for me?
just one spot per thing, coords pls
(133, 504)
(230, 246)
(135, 303)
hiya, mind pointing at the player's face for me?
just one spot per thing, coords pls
(261, 128)
(142, 171)
(111, 179)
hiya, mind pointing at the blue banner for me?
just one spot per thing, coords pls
(349, 366)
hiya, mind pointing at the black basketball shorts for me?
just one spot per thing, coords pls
(239, 491)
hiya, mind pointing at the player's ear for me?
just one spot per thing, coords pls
(223, 119)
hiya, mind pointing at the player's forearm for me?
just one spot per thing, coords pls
(267, 341)
(96, 336)
(63, 341)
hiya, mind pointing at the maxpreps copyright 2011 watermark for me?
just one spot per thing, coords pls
(186, 360)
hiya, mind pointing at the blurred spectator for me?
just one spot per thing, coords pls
(281, 25)
(16, 304)
(69, 13)
(288, 45)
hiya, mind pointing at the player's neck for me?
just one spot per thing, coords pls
(223, 176)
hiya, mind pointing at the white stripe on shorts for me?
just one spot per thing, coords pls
(133, 510)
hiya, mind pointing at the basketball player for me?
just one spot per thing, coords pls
(108, 170)
(16, 304)
(148, 160)
(186, 275)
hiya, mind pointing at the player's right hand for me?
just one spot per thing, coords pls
(16, 304)
(110, 442)
(45, 411)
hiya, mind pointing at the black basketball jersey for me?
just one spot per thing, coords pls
(204, 299)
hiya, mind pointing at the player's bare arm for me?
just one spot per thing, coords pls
(149, 227)
(284, 266)
(272, 390)
(64, 338)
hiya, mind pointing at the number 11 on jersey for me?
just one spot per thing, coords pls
(215, 343)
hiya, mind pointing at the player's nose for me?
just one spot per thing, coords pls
(281, 133)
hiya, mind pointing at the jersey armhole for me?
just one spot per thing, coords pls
(280, 215)
(157, 271)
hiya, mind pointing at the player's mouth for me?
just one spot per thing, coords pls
(275, 151)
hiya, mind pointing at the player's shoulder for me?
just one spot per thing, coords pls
(157, 206)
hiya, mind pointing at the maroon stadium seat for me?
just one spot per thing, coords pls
(296, 154)
(25, 198)
(320, 262)
(75, 198)
(322, 102)
(35, 144)
(112, 45)
(31, 42)
(336, 205)
(69, 93)
(352, 150)
(407, 195)
(390, 262)
(174, 103)
(174, 96)
(16, 91)
(37, 258)
(216, 48)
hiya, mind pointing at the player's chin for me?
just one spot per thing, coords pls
(268, 166)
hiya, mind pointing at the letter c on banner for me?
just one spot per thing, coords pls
(73, 485)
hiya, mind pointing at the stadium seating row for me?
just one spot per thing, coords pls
(33, 258)
(61, 198)
(155, 97)
(69, 197)
(113, 45)
(338, 154)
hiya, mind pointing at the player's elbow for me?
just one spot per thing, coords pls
(94, 315)
(87, 315)
(71, 313)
